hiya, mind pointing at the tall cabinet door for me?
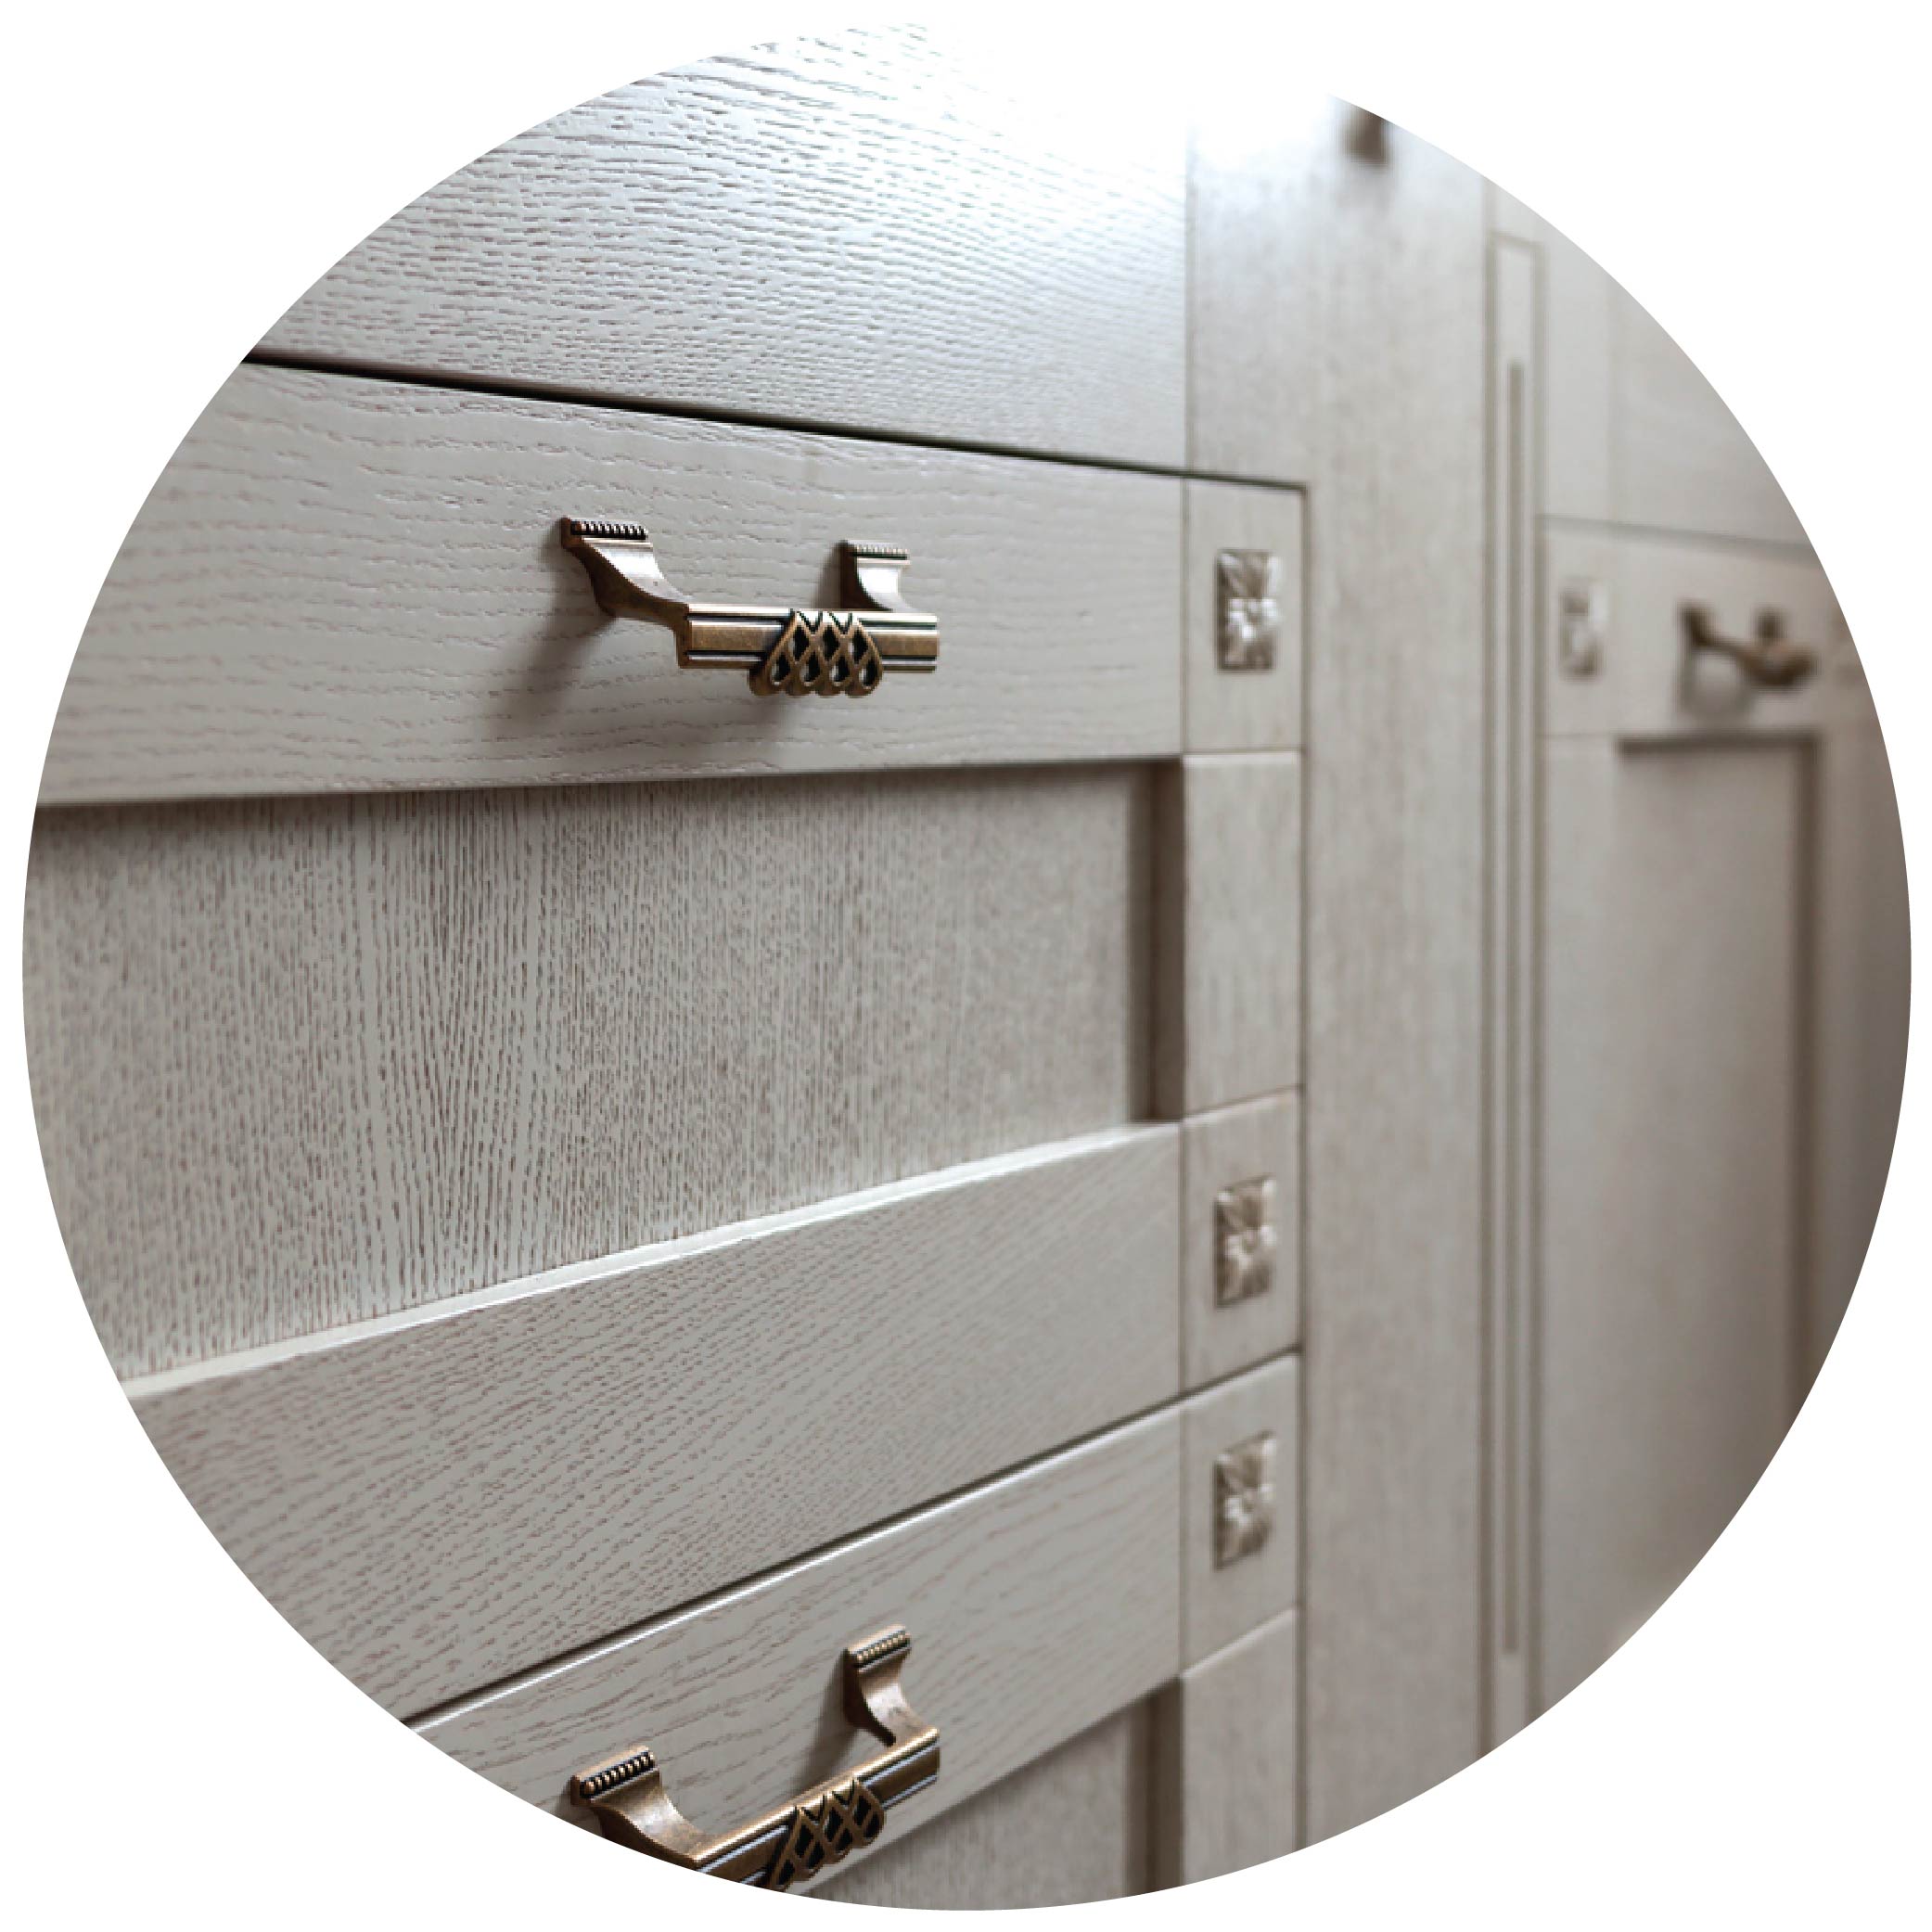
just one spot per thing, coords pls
(1722, 929)
(1697, 968)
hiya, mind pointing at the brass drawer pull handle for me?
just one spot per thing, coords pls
(820, 653)
(1771, 660)
(815, 1829)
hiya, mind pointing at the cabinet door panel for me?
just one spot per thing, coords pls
(1672, 1192)
(1717, 991)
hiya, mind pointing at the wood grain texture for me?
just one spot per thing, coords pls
(1264, 248)
(1672, 1188)
(1038, 1606)
(1069, 1829)
(1392, 1298)
(1218, 1602)
(881, 228)
(1225, 1738)
(1227, 958)
(1259, 1138)
(345, 584)
(300, 1063)
(441, 1499)
(1646, 687)
(1241, 710)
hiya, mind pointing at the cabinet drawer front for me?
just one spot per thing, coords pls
(341, 584)
(303, 1062)
(437, 1502)
(1037, 1606)
(878, 230)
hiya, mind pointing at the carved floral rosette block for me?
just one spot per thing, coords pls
(1247, 593)
(1245, 1240)
(1244, 1499)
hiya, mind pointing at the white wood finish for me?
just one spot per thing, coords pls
(881, 228)
(1220, 1601)
(1227, 969)
(298, 1062)
(345, 584)
(1674, 1191)
(1259, 1139)
(1636, 435)
(438, 1500)
(1646, 687)
(1241, 710)
(1038, 1606)
(1069, 1829)
(1227, 1738)
(1392, 1297)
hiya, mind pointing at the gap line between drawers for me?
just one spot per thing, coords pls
(517, 1682)
(737, 418)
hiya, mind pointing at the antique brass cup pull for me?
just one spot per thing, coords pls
(816, 653)
(1770, 660)
(815, 1829)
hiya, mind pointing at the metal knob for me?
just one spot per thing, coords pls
(1770, 660)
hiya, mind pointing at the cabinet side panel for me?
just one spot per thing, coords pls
(1392, 1298)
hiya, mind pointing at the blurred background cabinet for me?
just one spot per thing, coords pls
(1700, 989)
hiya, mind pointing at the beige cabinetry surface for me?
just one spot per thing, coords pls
(878, 229)
(1723, 950)
(437, 1042)
(346, 584)
(608, 1188)
(1258, 1160)
(1701, 968)
(370, 1478)
(738, 1698)
(1336, 335)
